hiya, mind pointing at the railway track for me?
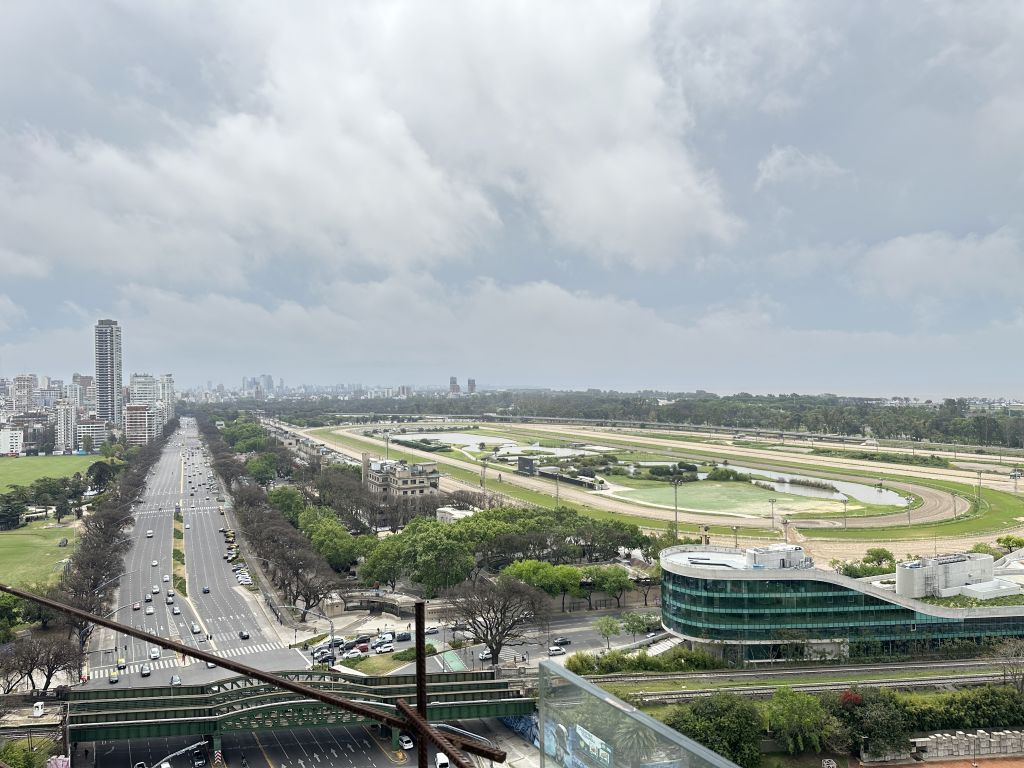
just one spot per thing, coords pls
(761, 674)
(765, 692)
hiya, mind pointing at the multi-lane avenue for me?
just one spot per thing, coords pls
(183, 477)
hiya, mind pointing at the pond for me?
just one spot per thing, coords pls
(868, 494)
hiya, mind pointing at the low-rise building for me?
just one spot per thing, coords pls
(10, 442)
(97, 431)
(399, 480)
(452, 514)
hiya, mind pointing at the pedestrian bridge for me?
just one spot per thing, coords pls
(245, 704)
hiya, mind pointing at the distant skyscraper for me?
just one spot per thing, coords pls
(453, 385)
(168, 395)
(109, 401)
(67, 421)
(471, 386)
(143, 389)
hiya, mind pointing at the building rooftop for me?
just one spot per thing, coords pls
(770, 556)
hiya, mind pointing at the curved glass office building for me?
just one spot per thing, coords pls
(772, 603)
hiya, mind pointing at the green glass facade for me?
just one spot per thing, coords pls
(739, 611)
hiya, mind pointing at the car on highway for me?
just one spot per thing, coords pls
(166, 578)
(176, 611)
(149, 534)
(562, 641)
(188, 526)
(122, 664)
(155, 589)
(145, 670)
(149, 610)
(386, 648)
(403, 636)
(441, 760)
(556, 650)
(147, 599)
(210, 665)
(176, 680)
(206, 590)
(405, 741)
(136, 606)
(196, 629)
(198, 758)
(243, 634)
(154, 563)
(113, 678)
(154, 653)
(170, 592)
(168, 601)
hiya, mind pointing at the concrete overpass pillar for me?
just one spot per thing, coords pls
(218, 754)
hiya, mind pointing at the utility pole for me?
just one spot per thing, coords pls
(772, 502)
(845, 500)
(675, 503)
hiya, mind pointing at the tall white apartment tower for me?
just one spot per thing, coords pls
(109, 405)
(168, 395)
(67, 421)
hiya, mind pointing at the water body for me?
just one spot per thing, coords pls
(868, 494)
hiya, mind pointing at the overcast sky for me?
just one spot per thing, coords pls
(770, 197)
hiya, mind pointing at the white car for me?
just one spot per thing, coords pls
(355, 653)
(176, 611)
(386, 648)
(556, 650)
(154, 563)
(485, 655)
(166, 578)
(188, 526)
(154, 653)
(149, 610)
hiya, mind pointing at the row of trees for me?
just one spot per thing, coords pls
(64, 494)
(439, 556)
(949, 421)
(296, 569)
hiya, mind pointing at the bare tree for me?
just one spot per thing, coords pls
(501, 614)
(1009, 654)
(10, 671)
(57, 654)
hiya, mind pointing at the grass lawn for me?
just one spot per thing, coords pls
(375, 664)
(741, 499)
(22, 470)
(28, 555)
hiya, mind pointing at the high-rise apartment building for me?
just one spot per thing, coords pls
(167, 395)
(109, 403)
(471, 386)
(453, 385)
(26, 393)
(143, 389)
(66, 427)
(141, 423)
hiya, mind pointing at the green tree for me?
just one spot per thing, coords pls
(613, 581)
(386, 564)
(727, 723)
(635, 624)
(87, 443)
(608, 627)
(799, 720)
(879, 556)
(287, 499)
(262, 468)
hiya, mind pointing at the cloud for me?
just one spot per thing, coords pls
(10, 313)
(928, 267)
(788, 164)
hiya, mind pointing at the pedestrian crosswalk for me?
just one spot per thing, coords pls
(168, 662)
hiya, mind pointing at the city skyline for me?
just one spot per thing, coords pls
(791, 197)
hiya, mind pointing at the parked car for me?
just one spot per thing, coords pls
(363, 647)
(485, 655)
(403, 636)
(562, 641)
(430, 631)
(354, 653)
(386, 648)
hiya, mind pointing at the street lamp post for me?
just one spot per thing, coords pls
(735, 536)
(772, 502)
(675, 503)
(979, 490)
(845, 500)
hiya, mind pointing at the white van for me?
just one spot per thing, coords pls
(441, 760)
(39, 709)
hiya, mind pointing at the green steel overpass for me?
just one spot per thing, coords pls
(245, 704)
